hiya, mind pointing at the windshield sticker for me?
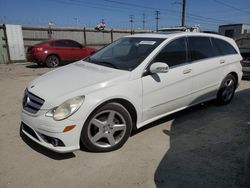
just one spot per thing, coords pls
(148, 42)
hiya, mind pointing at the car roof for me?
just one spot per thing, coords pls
(179, 34)
(53, 40)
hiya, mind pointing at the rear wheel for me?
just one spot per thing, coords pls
(107, 129)
(227, 90)
(52, 61)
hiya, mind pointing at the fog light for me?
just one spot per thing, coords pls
(51, 140)
(69, 128)
(54, 142)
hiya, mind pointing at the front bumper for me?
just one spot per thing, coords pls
(49, 133)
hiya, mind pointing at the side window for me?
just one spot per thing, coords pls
(60, 43)
(223, 47)
(173, 53)
(200, 48)
(73, 44)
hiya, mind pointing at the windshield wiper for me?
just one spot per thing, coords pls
(107, 63)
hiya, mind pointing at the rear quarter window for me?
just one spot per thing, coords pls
(223, 47)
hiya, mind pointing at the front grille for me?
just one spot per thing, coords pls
(30, 131)
(31, 102)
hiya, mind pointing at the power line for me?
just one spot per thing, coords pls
(232, 7)
(135, 8)
(162, 10)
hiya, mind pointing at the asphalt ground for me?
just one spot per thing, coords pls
(204, 146)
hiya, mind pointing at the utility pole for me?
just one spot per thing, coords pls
(131, 20)
(76, 19)
(183, 13)
(143, 21)
(157, 13)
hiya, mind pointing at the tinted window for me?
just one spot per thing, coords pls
(222, 47)
(71, 43)
(59, 43)
(66, 43)
(174, 53)
(200, 48)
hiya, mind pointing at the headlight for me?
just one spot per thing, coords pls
(66, 109)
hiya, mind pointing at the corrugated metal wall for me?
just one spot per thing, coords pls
(85, 36)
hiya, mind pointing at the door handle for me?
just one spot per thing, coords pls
(222, 61)
(186, 71)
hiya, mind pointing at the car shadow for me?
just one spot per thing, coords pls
(32, 65)
(45, 151)
(172, 116)
(246, 78)
(36, 66)
(208, 145)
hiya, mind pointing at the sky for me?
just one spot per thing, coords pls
(208, 14)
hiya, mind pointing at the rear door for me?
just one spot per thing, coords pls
(77, 51)
(207, 67)
(60, 48)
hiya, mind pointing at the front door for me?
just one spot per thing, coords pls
(167, 92)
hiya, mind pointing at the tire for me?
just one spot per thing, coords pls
(52, 61)
(107, 128)
(227, 90)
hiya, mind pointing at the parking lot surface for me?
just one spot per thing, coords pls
(203, 146)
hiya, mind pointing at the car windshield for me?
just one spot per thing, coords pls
(126, 53)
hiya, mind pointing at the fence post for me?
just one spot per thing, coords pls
(49, 33)
(84, 36)
(111, 33)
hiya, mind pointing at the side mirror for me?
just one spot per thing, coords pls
(159, 67)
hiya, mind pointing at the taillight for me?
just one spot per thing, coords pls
(38, 49)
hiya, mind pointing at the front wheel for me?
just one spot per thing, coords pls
(107, 129)
(227, 90)
(52, 61)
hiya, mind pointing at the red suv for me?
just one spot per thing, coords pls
(53, 52)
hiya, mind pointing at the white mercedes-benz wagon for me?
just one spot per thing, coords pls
(133, 81)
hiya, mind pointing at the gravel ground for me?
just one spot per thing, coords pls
(204, 146)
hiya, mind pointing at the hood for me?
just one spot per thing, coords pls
(79, 78)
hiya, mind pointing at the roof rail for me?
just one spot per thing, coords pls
(179, 29)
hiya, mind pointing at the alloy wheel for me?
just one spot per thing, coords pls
(107, 128)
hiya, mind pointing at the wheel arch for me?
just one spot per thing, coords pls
(235, 75)
(54, 55)
(125, 103)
